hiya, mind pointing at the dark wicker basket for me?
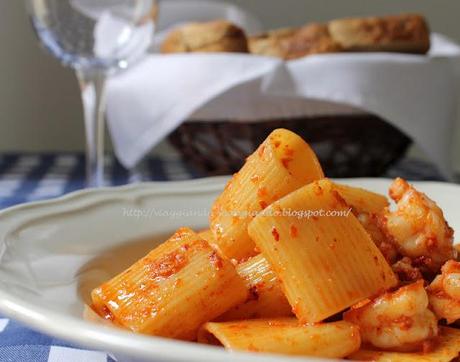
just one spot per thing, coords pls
(347, 146)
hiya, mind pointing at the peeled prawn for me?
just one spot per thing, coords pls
(418, 227)
(444, 292)
(398, 321)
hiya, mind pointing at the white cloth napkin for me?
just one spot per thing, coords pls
(417, 94)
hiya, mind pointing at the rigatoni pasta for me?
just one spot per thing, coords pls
(282, 164)
(325, 264)
(362, 200)
(368, 207)
(172, 291)
(287, 336)
(207, 235)
(266, 299)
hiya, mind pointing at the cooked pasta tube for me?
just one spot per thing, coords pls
(446, 348)
(286, 336)
(283, 163)
(322, 255)
(172, 291)
(362, 200)
(266, 299)
(368, 207)
(207, 235)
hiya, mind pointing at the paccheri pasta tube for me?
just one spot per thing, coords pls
(361, 200)
(325, 263)
(266, 299)
(283, 163)
(173, 290)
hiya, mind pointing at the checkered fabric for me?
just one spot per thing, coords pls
(19, 344)
(26, 178)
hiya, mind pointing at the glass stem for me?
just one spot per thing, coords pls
(92, 85)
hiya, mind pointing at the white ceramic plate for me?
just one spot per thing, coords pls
(53, 253)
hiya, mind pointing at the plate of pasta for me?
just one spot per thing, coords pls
(276, 263)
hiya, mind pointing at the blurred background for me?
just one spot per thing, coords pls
(40, 106)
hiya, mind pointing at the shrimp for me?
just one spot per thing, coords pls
(398, 321)
(418, 227)
(444, 292)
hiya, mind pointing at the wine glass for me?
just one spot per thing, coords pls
(94, 37)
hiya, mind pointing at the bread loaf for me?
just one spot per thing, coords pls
(294, 43)
(271, 43)
(214, 36)
(406, 33)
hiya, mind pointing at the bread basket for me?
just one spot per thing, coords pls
(355, 145)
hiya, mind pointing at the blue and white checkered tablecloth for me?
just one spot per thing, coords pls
(26, 178)
(20, 344)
